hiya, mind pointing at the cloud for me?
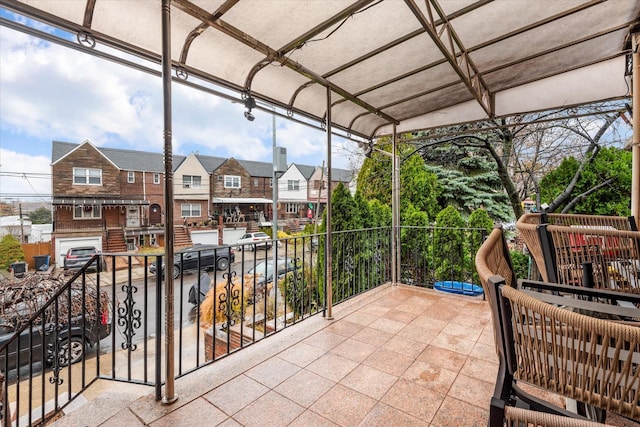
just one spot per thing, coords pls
(34, 185)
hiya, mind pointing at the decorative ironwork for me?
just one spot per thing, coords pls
(129, 317)
(86, 39)
(229, 301)
(53, 352)
(182, 73)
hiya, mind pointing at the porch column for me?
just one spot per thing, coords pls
(169, 394)
(329, 239)
(395, 207)
(635, 150)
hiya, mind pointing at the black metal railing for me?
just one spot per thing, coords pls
(226, 298)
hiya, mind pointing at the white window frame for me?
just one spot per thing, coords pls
(81, 212)
(189, 181)
(270, 182)
(188, 210)
(85, 176)
(293, 185)
(156, 178)
(232, 181)
(292, 208)
(256, 182)
(131, 177)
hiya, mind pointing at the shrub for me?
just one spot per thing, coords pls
(10, 251)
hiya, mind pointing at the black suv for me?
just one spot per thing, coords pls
(67, 340)
(209, 257)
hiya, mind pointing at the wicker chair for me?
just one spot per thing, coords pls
(591, 360)
(562, 247)
(511, 416)
(493, 258)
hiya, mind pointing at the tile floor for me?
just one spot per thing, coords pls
(395, 356)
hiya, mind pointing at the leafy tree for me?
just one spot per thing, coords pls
(603, 186)
(468, 180)
(10, 251)
(415, 237)
(448, 245)
(40, 216)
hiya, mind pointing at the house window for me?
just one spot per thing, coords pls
(293, 185)
(191, 181)
(231, 181)
(256, 182)
(292, 208)
(271, 182)
(319, 185)
(190, 210)
(156, 178)
(131, 177)
(87, 212)
(87, 176)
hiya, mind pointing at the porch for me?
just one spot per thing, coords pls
(395, 355)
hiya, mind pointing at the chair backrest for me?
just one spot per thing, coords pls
(529, 227)
(493, 258)
(591, 360)
(612, 254)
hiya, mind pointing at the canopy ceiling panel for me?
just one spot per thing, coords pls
(416, 64)
(416, 53)
(435, 100)
(431, 79)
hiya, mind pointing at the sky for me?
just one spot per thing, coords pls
(49, 92)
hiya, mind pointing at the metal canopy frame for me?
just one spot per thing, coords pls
(411, 64)
(369, 68)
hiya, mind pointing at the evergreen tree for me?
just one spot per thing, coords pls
(448, 245)
(40, 216)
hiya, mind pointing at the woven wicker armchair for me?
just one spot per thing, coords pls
(511, 416)
(562, 246)
(591, 360)
(493, 258)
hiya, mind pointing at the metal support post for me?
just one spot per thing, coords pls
(329, 239)
(395, 207)
(169, 393)
(635, 170)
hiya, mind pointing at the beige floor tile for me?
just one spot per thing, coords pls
(462, 331)
(302, 354)
(388, 361)
(324, 340)
(375, 310)
(430, 376)
(372, 336)
(305, 387)
(353, 350)
(419, 334)
(369, 381)
(485, 352)
(480, 369)
(199, 412)
(406, 346)
(227, 398)
(400, 316)
(332, 366)
(273, 371)
(450, 342)
(429, 323)
(442, 311)
(472, 390)
(385, 415)
(271, 410)
(455, 413)
(387, 325)
(230, 422)
(469, 321)
(344, 328)
(123, 418)
(344, 406)
(414, 400)
(361, 318)
(442, 357)
(309, 418)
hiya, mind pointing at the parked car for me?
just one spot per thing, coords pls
(207, 257)
(78, 257)
(263, 271)
(254, 241)
(73, 339)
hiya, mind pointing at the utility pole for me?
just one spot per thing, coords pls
(21, 223)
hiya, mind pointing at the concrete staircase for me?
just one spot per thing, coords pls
(181, 237)
(115, 241)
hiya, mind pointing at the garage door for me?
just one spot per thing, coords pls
(62, 245)
(204, 237)
(230, 236)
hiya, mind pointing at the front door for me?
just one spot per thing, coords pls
(133, 217)
(155, 215)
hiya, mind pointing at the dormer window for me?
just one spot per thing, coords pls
(191, 181)
(86, 176)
